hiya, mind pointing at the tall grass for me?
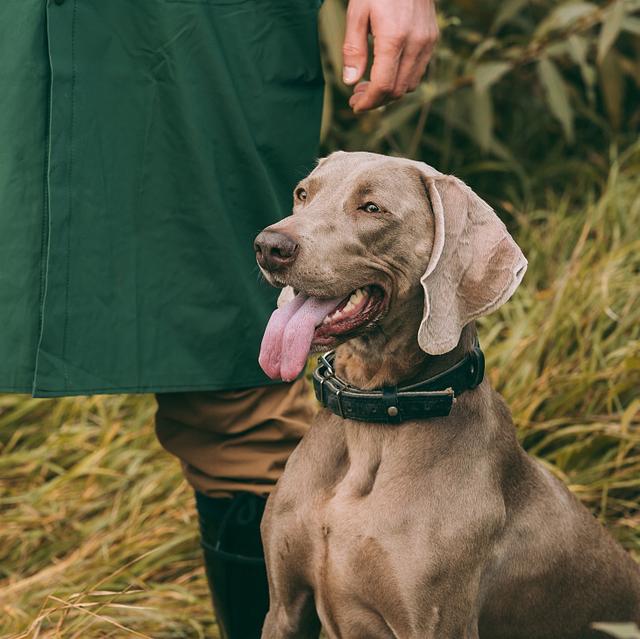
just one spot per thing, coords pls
(98, 534)
(566, 351)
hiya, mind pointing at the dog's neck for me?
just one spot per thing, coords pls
(392, 356)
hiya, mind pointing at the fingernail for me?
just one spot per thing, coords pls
(349, 75)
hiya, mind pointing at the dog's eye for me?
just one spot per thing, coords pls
(370, 207)
(301, 194)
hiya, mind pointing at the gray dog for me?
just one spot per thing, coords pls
(435, 524)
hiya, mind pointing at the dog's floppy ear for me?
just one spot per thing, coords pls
(286, 295)
(475, 265)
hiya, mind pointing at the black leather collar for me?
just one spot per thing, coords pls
(431, 397)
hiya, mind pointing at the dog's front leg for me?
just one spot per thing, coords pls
(292, 613)
(450, 604)
(449, 624)
(296, 619)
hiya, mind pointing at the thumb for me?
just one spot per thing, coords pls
(355, 50)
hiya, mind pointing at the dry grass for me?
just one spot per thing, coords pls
(566, 351)
(98, 535)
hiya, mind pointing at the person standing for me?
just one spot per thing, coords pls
(144, 144)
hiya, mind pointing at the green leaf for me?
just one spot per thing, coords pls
(557, 49)
(578, 48)
(557, 95)
(507, 11)
(565, 15)
(619, 630)
(332, 27)
(481, 111)
(488, 73)
(327, 111)
(612, 84)
(485, 45)
(632, 25)
(610, 29)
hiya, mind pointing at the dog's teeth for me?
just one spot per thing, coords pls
(354, 300)
(356, 297)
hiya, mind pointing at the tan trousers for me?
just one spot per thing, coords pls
(231, 441)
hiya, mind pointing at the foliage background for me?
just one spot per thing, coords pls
(535, 104)
(528, 94)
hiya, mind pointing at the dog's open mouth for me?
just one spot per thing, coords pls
(363, 307)
(308, 323)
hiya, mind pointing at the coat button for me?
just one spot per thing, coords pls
(392, 411)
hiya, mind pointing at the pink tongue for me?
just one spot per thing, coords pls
(287, 339)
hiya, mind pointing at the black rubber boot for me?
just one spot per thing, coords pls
(234, 562)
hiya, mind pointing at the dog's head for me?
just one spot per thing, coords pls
(370, 233)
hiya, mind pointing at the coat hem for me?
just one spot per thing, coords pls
(152, 388)
(16, 389)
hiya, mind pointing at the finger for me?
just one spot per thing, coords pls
(361, 86)
(387, 52)
(417, 72)
(407, 69)
(355, 50)
(411, 68)
(358, 90)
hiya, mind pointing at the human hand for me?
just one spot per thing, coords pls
(404, 35)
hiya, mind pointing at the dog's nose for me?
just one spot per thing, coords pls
(275, 251)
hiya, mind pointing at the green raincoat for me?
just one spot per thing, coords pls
(143, 145)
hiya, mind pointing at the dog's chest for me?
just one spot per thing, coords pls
(349, 541)
(360, 575)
